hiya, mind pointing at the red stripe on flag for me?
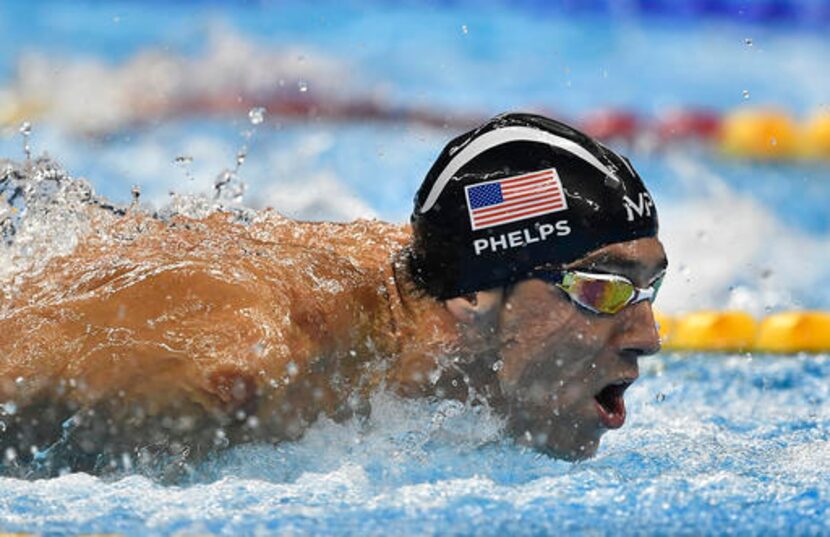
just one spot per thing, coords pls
(518, 201)
(531, 191)
(529, 184)
(518, 216)
(506, 212)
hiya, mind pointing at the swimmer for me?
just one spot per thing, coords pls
(525, 281)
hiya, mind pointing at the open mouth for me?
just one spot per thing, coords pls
(611, 405)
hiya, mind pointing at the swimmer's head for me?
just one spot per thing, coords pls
(542, 244)
(516, 193)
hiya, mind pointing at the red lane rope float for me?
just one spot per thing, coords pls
(745, 133)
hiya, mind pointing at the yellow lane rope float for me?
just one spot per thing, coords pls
(736, 331)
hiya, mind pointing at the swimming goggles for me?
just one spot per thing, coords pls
(598, 292)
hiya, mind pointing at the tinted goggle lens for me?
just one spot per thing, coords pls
(604, 293)
(606, 296)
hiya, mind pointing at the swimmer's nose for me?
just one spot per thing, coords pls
(640, 336)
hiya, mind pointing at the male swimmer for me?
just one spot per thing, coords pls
(525, 282)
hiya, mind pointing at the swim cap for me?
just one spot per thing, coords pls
(516, 193)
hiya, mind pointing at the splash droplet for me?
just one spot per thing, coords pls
(256, 115)
(182, 160)
(464, 29)
(748, 41)
(660, 397)
(302, 86)
(746, 94)
(25, 131)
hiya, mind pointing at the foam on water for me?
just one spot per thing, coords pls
(709, 447)
(89, 96)
(728, 250)
(734, 444)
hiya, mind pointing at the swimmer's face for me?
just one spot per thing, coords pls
(564, 368)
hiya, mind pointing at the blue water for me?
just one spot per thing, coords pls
(713, 444)
(729, 445)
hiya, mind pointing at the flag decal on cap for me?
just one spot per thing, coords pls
(511, 199)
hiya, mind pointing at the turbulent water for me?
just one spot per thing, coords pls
(740, 445)
(712, 444)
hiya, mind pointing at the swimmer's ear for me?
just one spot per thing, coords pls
(480, 308)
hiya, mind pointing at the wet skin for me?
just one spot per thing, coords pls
(166, 335)
(557, 356)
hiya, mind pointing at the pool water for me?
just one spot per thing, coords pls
(714, 444)
(733, 444)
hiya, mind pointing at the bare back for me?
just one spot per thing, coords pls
(200, 324)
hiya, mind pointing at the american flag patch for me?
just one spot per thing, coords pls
(515, 198)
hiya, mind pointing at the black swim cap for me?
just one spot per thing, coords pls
(516, 193)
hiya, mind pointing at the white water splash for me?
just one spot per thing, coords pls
(90, 96)
(727, 250)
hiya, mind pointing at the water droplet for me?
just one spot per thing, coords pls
(302, 86)
(240, 156)
(748, 41)
(292, 369)
(11, 454)
(746, 94)
(660, 397)
(256, 115)
(464, 29)
(25, 131)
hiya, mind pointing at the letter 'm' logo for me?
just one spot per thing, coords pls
(642, 207)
